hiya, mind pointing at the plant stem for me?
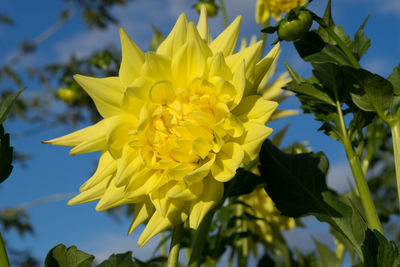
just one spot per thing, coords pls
(362, 186)
(200, 239)
(175, 246)
(264, 37)
(3, 254)
(163, 249)
(339, 41)
(243, 249)
(395, 128)
(223, 9)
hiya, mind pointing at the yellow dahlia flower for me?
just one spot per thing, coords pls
(266, 8)
(178, 123)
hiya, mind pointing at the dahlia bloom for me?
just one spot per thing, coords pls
(266, 8)
(178, 123)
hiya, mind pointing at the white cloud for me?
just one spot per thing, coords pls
(340, 177)
(379, 65)
(389, 6)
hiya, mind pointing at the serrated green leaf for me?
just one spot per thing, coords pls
(295, 77)
(310, 89)
(6, 155)
(61, 256)
(118, 260)
(379, 252)
(295, 182)
(361, 41)
(333, 78)
(7, 104)
(327, 258)
(313, 49)
(371, 92)
(394, 78)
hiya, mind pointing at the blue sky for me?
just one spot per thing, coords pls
(52, 171)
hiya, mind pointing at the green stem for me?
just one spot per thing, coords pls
(3, 254)
(224, 14)
(163, 249)
(200, 239)
(361, 183)
(339, 41)
(264, 37)
(175, 246)
(243, 249)
(395, 128)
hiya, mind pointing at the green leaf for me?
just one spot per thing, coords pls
(295, 182)
(327, 18)
(332, 77)
(327, 258)
(7, 104)
(118, 260)
(295, 77)
(394, 78)
(313, 49)
(6, 155)
(61, 256)
(243, 183)
(297, 185)
(310, 89)
(379, 252)
(361, 41)
(278, 137)
(270, 29)
(371, 92)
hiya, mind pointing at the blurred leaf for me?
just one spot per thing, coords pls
(6, 19)
(61, 256)
(266, 261)
(394, 78)
(156, 39)
(361, 41)
(379, 252)
(278, 137)
(6, 155)
(327, 258)
(118, 260)
(7, 104)
(313, 49)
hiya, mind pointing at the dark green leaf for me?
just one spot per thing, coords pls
(7, 104)
(313, 49)
(6, 155)
(243, 183)
(295, 182)
(295, 77)
(371, 92)
(394, 78)
(361, 41)
(379, 252)
(337, 30)
(270, 29)
(266, 261)
(332, 77)
(327, 258)
(312, 90)
(118, 260)
(61, 256)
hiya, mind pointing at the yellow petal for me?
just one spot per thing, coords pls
(128, 165)
(226, 41)
(118, 133)
(239, 80)
(199, 173)
(156, 224)
(107, 166)
(202, 25)
(253, 138)
(162, 92)
(141, 213)
(210, 197)
(188, 63)
(132, 59)
(156, 67)
(181, 191)
(219, 68)
(92, 194)
(255, 108)
(105, 92)
(175, 39)
(227, 162)
(112, 197)
(262, 67)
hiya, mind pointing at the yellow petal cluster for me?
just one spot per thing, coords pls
(267, 8)
(178, 123)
